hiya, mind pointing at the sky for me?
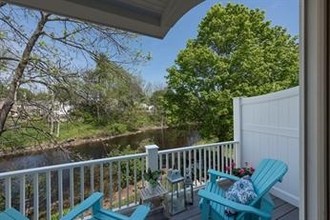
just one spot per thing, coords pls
(164, 51)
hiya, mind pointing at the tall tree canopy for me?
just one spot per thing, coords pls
(236, 53)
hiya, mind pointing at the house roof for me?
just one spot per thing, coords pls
(149, 17)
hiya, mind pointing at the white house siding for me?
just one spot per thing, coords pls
(269, 128)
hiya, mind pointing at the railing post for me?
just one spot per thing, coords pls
(238, 128)
(152, 157)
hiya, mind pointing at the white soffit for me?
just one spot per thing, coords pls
(148, 17)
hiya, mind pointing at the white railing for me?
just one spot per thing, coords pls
(197, 160)
(48, 192)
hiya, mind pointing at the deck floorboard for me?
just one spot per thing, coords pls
(282, 211)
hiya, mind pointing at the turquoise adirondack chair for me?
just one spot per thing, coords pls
(12, 214)
(93, 202)
(266, 175)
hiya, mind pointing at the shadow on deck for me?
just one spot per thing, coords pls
(282, 211)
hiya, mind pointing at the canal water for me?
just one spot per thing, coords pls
(164, 138)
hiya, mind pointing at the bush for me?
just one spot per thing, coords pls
(117, 128)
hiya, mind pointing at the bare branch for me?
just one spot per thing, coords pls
(73, 44)
(13, 27)
(9, 59)
(9, 101)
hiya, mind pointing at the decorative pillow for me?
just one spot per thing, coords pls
(241, 191)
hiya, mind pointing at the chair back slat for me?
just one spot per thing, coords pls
(267, 174)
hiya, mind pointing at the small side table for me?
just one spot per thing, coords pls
(147, 195)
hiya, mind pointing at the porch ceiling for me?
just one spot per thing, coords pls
(149, 17)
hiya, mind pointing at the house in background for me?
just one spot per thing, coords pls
(147, 108)
(154, 18)
(62, 110)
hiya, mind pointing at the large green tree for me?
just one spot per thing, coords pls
(236, 53)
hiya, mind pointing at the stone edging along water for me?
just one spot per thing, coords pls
(70, 143)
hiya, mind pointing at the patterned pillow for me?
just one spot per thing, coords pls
(241, 191)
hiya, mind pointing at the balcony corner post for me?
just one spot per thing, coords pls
(237, 102)
(152, 157)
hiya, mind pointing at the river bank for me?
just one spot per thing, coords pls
(72, 142)
(90, 149)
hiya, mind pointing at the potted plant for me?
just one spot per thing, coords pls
(247, 170)
(152, 178)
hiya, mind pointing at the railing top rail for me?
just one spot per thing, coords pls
(70, 165)
(195, 147)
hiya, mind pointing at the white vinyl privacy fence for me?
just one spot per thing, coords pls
(267, 126)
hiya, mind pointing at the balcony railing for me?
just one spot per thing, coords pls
(197, 160)
(48, 192)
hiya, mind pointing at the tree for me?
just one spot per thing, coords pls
(157, 100)
(47, 51)
(109, 91)
(236, 53)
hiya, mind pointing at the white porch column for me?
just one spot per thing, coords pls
(152, 157)
(314, 109)
(238, 128)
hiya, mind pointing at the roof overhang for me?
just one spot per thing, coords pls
(148, 17)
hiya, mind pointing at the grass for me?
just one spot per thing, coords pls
(79, 130)
(22, 137)
(28, 136)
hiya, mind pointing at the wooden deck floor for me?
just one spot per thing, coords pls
(283, 211)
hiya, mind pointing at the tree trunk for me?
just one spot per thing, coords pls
(19, 71)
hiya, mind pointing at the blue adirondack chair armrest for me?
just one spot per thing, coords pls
(214, 174)
(12, 213)
(208, 196)
(94, 200)
(83, 206)
(106, 214)
(140, 213)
